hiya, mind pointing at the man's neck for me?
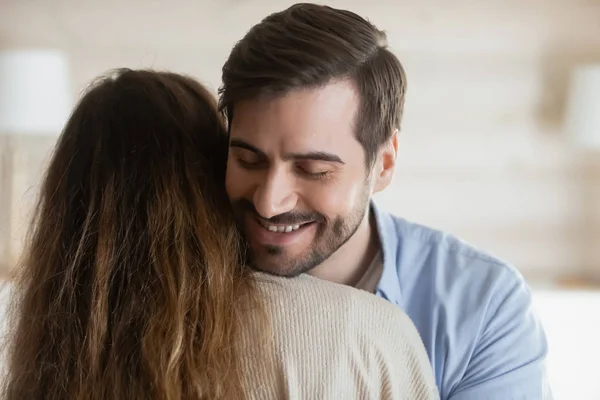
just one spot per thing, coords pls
(349, 263)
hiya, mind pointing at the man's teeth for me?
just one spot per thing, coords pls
(281, 228)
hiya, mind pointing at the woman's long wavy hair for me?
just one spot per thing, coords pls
(132, 277)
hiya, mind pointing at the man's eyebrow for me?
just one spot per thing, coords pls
(311, 155)
(316, 156)
(247, 146)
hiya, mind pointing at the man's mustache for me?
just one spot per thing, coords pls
(289, 218)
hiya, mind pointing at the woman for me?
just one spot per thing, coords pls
(132, 285)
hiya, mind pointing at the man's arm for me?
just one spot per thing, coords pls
(509, 355)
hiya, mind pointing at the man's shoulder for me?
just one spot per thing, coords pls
(437, 273)
(417, 249)
(456, 293)
(413, 234)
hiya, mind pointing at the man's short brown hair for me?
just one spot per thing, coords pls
(309, 46)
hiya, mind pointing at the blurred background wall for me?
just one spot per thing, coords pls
(482, 152)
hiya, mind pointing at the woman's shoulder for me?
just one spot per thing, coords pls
(323, 329)
(317, 294)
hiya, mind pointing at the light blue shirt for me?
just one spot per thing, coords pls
(472, 310)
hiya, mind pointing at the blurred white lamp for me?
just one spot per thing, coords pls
(582, 124)
(35, 100)
(582, 121)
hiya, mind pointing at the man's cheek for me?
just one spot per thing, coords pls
(332, 202)
(233, 183)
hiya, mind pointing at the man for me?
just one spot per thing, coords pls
(314, 102)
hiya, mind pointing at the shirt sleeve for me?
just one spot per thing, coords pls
(509, 355)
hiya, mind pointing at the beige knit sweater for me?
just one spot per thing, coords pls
(328, 341)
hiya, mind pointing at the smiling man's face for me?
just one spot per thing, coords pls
(296, 176)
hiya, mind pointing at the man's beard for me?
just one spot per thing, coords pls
(329, 237)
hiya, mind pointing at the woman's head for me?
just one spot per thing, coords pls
(132, 271)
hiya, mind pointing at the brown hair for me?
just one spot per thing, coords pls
(132, 276)
(308, 46)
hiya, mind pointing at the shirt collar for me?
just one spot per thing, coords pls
(389, 284)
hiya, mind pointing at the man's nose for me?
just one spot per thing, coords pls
(275, 194)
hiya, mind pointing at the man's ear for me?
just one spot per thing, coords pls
(386, 163)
